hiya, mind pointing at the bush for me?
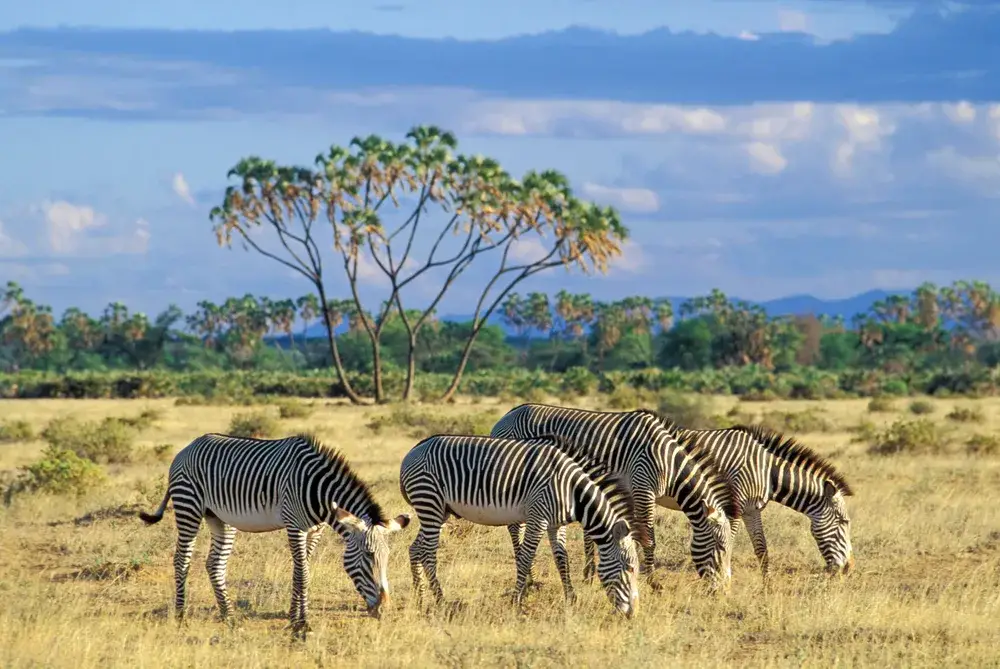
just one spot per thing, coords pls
(881, 404)
(253, 425)
(966, 415)
(810, 420)
(162, 451)
(422, 424)
(144, 420)
(687, 411)
(107, 441)
(921, 407)
(579, 381)
(915, 437)
(16, 430)
(982, 444)
(625, 398)
(292, 409)
(58, 472)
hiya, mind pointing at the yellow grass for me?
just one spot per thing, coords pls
(95, 592)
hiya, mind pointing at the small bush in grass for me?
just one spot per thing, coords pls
(59, 472)
(921, 407)
(143, 420)
(421, 424)
(881, 404)
(107, 441)
(624, 398)
(688, 411)
(253, 424)
(16, 430)
(864, 431)
(914, 437)
(294, 409)
(810, 420)
(982, 444)
(966, 415)
(162, 452)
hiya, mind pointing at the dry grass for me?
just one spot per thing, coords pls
(84, 584)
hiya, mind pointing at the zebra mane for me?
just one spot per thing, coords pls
(610, 485)
(371, 511)
(702, 459)
(796, 453)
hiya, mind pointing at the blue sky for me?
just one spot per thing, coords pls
(825, 147)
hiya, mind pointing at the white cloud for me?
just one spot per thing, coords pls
(65, 224)
(766, 158)
(10, 247)
(978, 171)
(638, 200)
(632, 260)
(73, 230)
(748, 36)
(790, 20)
(865, 128)
(527, 250)
(961, 112)
(182, 189)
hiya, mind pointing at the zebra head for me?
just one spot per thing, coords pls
(711, 547)
(831, 528)
(618, 568)
(366, 556)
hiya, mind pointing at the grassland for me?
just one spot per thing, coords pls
(84, 584)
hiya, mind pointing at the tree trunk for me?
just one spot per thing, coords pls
(377, 367)
(411, 367)
(335, 352)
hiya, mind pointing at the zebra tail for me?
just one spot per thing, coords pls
(157, 516)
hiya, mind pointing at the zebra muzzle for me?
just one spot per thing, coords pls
(376, 610)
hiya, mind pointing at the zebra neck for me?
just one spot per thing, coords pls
(593, 512)
(794, 487)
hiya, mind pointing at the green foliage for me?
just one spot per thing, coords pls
(579, 381)
(58, 472)
(420, 424)
(293, 409)
(253, 424)
(881, 404)
(966, 415)
(16, 430)
(914, 437)
(921, 407)
(107, 441)
(983, 445)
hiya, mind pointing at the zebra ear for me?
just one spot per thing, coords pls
(349, 520)
(397, 523)
(829, 490)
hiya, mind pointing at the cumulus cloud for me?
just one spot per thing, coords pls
(10, 247)
(76, 230)
(639, 200)
(766, 158)
(182, 189)
(66, 223)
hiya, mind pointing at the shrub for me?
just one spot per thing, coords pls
(58, 472)
(294, 409)
(16, 430)
(865, 431)
(144, 420)
(919, 436)
(966, 415)
(162, 451)
(810, 420)
(579, 381)
(422, 424)
(688, 411)
(107, 441)
(921, 407)
(253, 424)
(624, 398)
(982, 444)
(881, 404)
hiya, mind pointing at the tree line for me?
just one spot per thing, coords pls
(954, 326)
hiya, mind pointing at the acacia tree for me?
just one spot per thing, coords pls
(474, 209)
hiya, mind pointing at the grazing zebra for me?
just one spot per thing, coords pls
(505, 481)
(261, 485)
(652, 465)
(763, 465)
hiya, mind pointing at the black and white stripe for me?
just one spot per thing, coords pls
(262, 485)
(537, 483)
(655, 468)
(763, 465)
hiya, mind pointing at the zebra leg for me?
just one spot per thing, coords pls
(589, 560)
(532, 536)
(557, 540)
(755, 528)
(425, 547)
(417, 567)
(297, 542)
(644, 503)
(223, 536)
(517, 540)
(188, 523)
(312, 538)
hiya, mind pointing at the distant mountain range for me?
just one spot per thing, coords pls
(782, 306)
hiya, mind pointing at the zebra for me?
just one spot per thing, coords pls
(538, 482)
(262, 485)
(763, 465)
(653, 466)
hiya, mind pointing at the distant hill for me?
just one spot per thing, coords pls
(782, 306)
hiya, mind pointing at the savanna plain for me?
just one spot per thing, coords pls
(84, 583)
